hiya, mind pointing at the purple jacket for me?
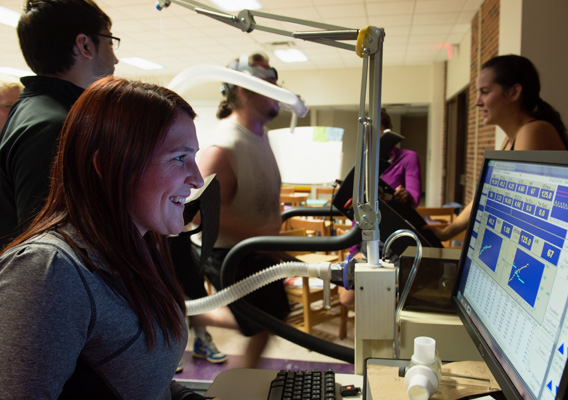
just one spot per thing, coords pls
(405, 170)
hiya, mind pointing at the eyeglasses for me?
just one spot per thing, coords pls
(115, 40)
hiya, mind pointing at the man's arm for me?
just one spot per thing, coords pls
(413, 179)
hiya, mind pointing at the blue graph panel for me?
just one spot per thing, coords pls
(490, 248)
(560, 206)
(525, 276)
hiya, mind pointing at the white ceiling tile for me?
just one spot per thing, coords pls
(425, 39)
(472, 5)
(358, 22)
(395, 41)
(391, 7)
(178, 37)
(460, 28)
(275, 4)
(397, 31)
(438, 6)
(435, 19)
(464, 18)
(353, 9)
(431, 29)
(323, 3)
(139, 9)
(455, 38)
(390, 20)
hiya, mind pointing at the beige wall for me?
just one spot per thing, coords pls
(458, 67)
(538, 31)
(510, 27)
(435, 162)
(543, 41)
(510, 30)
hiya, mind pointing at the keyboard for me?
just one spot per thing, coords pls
(303, 385)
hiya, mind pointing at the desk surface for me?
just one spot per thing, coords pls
(459, 380)
(246, 383)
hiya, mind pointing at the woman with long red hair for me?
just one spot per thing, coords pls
(90, 304)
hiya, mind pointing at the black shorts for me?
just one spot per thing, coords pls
(271, 298)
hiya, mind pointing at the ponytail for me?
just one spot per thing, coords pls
(544, 111)
(230, 103)
(225, 109)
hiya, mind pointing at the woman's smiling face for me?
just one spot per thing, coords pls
(491, 98)
(167, 180)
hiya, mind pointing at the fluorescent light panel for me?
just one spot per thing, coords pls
(290, 55)
(9, 17)
(141, 63)
(237, 5)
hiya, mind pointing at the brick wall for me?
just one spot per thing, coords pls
(484, 45)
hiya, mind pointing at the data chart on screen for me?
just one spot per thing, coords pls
(517, 260)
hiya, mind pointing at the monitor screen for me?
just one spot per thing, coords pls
(512, 286)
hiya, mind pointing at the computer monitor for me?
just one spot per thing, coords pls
(512, 286)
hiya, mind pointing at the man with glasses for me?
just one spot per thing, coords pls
(69, 45)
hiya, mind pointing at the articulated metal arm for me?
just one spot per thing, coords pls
(369, 46)
(245, 21)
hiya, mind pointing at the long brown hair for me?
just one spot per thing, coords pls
(107, 141)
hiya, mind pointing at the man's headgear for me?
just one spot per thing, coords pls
(243, 65)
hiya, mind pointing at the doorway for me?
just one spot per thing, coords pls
(456, 144)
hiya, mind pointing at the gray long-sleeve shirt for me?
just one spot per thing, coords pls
(54, 311)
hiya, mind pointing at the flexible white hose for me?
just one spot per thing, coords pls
(197, 74)
(256, 281)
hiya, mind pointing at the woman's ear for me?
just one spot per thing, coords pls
(514, 93)
(96, 164)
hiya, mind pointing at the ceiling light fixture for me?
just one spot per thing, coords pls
(290, 55)
(237, 5)
(141, 63)
(9, 17)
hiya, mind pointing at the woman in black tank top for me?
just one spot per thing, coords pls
(509, 97)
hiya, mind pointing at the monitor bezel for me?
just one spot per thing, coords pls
(500, 374)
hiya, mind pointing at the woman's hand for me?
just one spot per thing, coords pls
(458, 226)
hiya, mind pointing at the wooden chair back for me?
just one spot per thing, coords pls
(286, 190)
(325, 193)
(313, 227)
(441, 214)
(293, 199)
